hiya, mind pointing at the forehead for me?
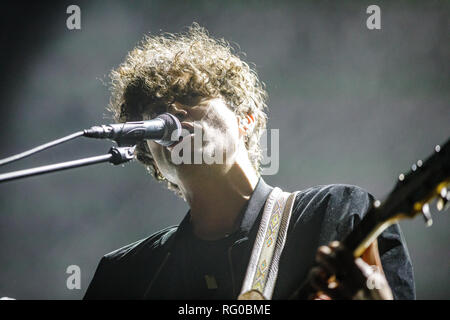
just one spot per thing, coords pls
(145, 109)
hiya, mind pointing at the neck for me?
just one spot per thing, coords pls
(216, 200)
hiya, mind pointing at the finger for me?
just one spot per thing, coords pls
(336, 259)
(322, 296)
(326, 259)
(334, 244)
(318, 278)
(320, 281)
(354, 276)
(339, 290)
(349, 271)
(343, 256)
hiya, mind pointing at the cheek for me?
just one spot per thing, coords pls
(161, 156)
(157, 153)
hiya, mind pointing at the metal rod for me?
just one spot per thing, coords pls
(40, 148)
(54, 167)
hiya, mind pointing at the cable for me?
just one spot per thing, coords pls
(40, 148)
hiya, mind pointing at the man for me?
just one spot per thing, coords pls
(211, 90)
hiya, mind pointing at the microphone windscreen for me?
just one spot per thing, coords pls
(173, 127)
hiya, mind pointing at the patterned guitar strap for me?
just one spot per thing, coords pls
(262, 270)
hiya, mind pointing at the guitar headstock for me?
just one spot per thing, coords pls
(425, 186)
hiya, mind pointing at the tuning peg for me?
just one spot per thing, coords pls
(377, 203)
(427, 215)
(443, 202)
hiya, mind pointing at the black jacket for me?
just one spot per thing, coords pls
(151, 268)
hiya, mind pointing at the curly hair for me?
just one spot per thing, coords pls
(176, 67)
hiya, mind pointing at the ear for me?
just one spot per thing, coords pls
(246, 124)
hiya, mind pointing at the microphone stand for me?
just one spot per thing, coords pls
(116, 155)
(125, 134)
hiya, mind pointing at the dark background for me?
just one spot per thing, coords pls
(352, 105)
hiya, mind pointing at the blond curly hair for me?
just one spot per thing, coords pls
(177, 67)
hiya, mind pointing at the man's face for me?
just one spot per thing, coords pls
(211, 132)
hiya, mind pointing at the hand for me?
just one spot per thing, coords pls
(339, 276)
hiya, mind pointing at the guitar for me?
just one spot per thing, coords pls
(426, 184)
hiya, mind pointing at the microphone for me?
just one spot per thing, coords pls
(159, 129)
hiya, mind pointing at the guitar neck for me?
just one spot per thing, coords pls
(412, 191)
(366, 232)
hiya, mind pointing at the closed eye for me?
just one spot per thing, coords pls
(158, 109)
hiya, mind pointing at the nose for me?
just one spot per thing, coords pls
(177, 110)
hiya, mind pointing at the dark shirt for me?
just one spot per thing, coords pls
(174, 264)
(209, 268)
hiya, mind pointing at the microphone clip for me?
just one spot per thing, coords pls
(121, 154)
